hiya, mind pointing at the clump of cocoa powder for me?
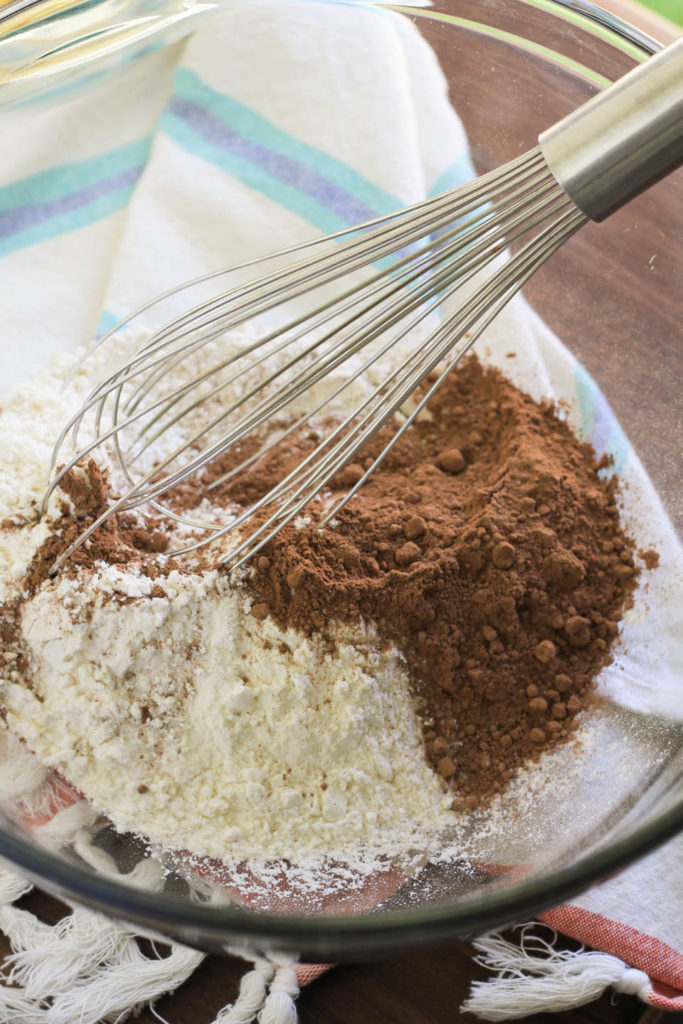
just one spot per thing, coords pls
(487, 547)
(120, 540)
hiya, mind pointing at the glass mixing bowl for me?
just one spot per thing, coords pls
(613, 294)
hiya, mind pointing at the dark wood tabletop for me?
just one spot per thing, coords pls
(420, 988)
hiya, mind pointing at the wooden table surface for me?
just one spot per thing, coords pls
(420, 988)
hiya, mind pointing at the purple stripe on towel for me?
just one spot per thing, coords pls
(21, 218)
(284, 168)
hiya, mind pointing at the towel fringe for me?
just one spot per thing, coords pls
(90, 969)
(534, 976)
(279, 1006)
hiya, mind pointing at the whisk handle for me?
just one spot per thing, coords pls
(622, 140)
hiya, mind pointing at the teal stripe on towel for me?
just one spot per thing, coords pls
(254, 126)
(311, 183)
(94, 211)
(619, 447)
(105, 323)
(251, 175)
(586, 390)
(69, 196)
(65, 179)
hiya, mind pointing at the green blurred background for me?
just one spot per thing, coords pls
(672, 9)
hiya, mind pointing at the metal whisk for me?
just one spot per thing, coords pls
(423, 282)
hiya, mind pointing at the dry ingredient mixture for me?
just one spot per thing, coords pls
(354, 686)
(488, 549)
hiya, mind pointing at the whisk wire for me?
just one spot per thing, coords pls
(419, 260)
(529, 163)
(435, 274)
(422, 263)
(335, 262)
(510, 223)
(327, 362)
(527, 265)
(524, 264)
(264, 534)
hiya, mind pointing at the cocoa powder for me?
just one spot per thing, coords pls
(121, 540)
(487, 547)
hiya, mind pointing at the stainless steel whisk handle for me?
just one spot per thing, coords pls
(622, 140)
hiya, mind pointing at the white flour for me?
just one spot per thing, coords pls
(224, 735)
(185, 718)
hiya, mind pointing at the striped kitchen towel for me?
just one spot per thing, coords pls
(242, 140)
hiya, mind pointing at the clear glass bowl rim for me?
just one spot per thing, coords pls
(370, 933)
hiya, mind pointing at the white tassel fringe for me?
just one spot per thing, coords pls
(88, 969)
(267, 994)
(279, 1006)
(534, 977)
(15, 1007)
(12, 887)
(251, 997)
(115, 990)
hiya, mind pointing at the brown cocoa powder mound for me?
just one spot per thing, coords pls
(487, 548)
